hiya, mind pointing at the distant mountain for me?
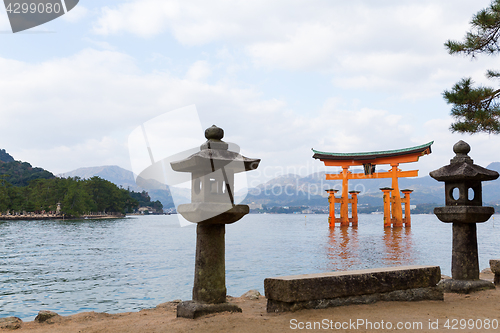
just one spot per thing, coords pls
(491, 189)
(20, 173)
(124, 178)
(5, 157)
(293, 190)
(494, 166)
(112, 173)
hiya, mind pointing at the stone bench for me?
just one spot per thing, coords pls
(322, 290)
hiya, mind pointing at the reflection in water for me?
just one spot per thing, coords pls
(343, 249)
(371, 246)
(398, 247)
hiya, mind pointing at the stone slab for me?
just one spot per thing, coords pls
(464, 286)
(193, 309)
(321, 286)
(418, 294)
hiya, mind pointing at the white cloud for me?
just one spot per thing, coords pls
(144, 18)
(362, 44)
(198, 71)
(79, 110)
(64, 106)
(4, 21)
(483, 146)
(77, 14)
(310, 46)
(87, 153)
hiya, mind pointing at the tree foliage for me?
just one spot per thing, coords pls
(5, 157)
(145, 200)
(21, 173)
(29, 189)
(477, 109)
(76, 196)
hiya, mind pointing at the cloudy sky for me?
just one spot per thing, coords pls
(281, 77)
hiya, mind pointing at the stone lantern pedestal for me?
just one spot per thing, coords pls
(212, 207)
(464, 209)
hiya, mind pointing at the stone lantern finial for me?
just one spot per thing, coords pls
(214, 137)
(214, 133)
(461, 149)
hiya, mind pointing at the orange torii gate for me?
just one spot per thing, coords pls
(393, 212)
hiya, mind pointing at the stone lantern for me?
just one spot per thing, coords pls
(463, 194)
(212, 207)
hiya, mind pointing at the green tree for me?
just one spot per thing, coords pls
(17, 198)
(77, 196)
(107, 196)
(477, 109)
(4, 194)
(76, 199)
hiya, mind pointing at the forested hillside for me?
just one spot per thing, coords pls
(24, 188)
(20, 173)
(76, 196)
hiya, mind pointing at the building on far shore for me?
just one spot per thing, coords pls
(253, 205)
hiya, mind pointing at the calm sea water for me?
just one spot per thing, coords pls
(138, 262)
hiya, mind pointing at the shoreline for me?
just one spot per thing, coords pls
(431, 316)
(39, 217)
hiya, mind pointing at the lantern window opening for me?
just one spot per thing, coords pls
(197, 186)
(213, 186)
(471, 194)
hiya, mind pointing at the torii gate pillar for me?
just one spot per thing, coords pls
(407, 219)
(332, 200)
(397, 210)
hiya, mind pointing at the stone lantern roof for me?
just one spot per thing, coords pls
(462, 167)
(214, 155)
(463, 190)
(212, 181)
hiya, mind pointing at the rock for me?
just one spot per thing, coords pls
(193, 309)
(486, 271)
(44, 315)
(464, 286)
(11, 323)
(495, 268)
(172, 305)
(251, 294)
(495, 265)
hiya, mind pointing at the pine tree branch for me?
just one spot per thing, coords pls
(492, 97)
(484, 34)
